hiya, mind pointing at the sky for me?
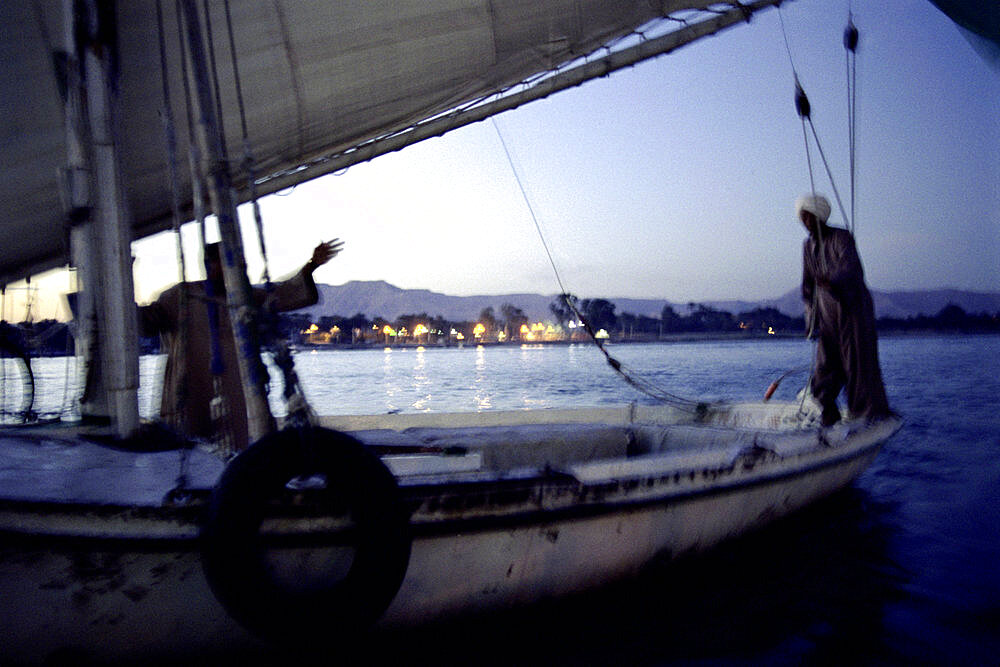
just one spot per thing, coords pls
(675, 179)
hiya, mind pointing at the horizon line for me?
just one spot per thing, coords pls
(668, 300)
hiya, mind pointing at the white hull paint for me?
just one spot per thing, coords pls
(120, 582)
(458, 574)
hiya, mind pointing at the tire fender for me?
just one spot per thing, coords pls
(235, 554)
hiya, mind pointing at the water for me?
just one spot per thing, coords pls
(902, 568)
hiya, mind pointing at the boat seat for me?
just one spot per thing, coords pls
(509, 447)
(654, 439)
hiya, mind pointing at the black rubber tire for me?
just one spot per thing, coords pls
(234, 557)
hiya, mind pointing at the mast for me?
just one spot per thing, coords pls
(76, 188)
(242, 309)
(100, 233)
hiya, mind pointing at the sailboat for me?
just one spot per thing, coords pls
(111, 550)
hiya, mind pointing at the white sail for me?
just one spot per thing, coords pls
(318, 78)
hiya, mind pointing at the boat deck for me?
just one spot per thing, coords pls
(79, 464)
(71, 464)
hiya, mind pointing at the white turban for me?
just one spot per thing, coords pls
(818, 205)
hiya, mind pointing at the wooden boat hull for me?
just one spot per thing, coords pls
(113, 580)
(456, 574)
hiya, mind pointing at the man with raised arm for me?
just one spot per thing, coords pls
(202, 371)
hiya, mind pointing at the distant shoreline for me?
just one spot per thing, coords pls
(690, 337)
(681, 337)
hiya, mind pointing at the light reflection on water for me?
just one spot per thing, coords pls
(467, 379)
(474, 378)
(421, 382)
(387, 379)
(482, 395)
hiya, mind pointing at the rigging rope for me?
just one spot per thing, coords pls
(248, 160)
(14, 341)
(183, 324)
(29, 299)
(66, 408)
(803, 108)
(170, 135)
(300, 413)
(850, 48)
(214, 70)
(630, 376)
(219, 408)
(3, 356)
(194, 151)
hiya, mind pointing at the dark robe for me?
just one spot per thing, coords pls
(189, 380)
(843, 318)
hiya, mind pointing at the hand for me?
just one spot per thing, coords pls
(323, 253)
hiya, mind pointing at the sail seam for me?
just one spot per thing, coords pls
(293, 76)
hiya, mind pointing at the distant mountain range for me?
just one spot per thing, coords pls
(380, 299)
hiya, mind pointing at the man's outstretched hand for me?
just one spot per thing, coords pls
(323, 253)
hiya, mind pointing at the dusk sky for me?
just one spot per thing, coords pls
(676, 179)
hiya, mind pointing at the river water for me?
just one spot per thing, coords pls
(901, 568)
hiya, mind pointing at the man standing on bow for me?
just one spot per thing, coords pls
(839, 312)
